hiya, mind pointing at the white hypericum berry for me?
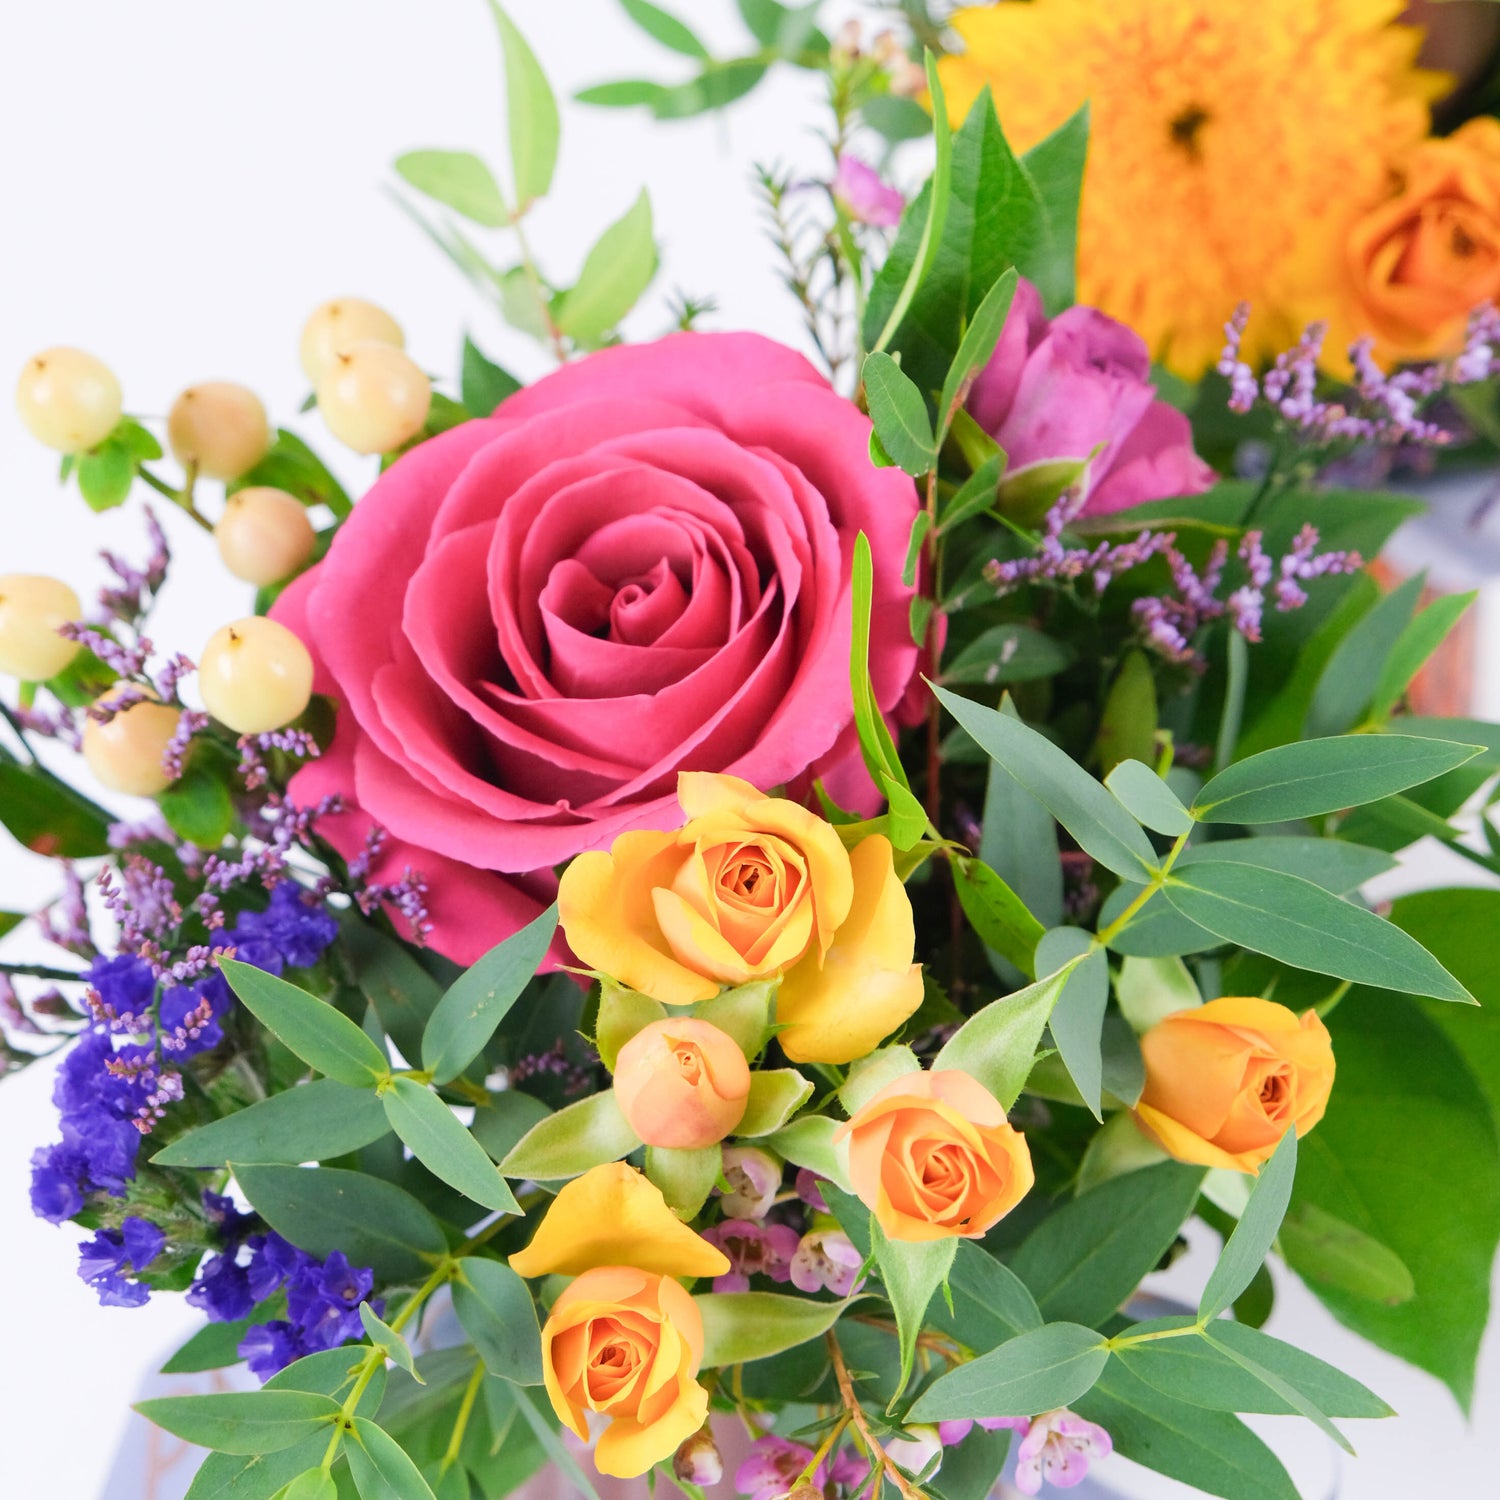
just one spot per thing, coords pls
(374, 398)
(338, 325)
(32, 606)
(255, 675)
(219, 426)
(264, 534)
(68, 399)
(125, 754)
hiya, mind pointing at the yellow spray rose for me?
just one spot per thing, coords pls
(753, 887)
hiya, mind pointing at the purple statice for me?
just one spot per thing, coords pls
(322, 1297)
(825, 1259)
(66, 922)
(189, 722)
(120, 992)
(297, 743)
(150, 829)
(130, 596)
(1058, 1447)
(127, 661)
(753, 1250)
(297, 926)
(60, 723)
(112, 1260)
(408, 894)
(13, 1016)
(575, 1078)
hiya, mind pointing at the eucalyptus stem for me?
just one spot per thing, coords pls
(461, 1422)
(1158, 879)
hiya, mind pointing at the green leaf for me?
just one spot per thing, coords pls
(1055, 165)
(213, 1347)
(990, 1302)
(480, 998)
(1019, 842)
(321, 1036)
(743, 1326)
(483, 383)
(1151, 989)
(1412, 648)
(502, 1122)
(998, 1043)
(911, 1271)
(1078, 1014)
(313, 1484)
(436, 1138)
(622, 1013)
(875, 743)
(1213, 1451)
(808, 1142)
(1148, 799)
(292, 466)
(665, 28)
(380, 1466)
(899, 414)
(399, 990)
(1156, 930)
(1358, 662)
(1127, 723)
(313, 1122)
(615, 273)
(48, 817)
(323, 1209)
(388, 1341)
(459, 180)
(1311, 777)
(896, 118)
(242, 1422)
(531, 114)
(1047, 1367)
(1288, 1392)
(1025, 494)
(1333, 864)
(1102, 827)
(775, 1096)
(1236, 679)
(553, 1445)
(979, 341)
(906, 819)
(1089, 1254)
(1332, 1252)
(921, 524)
(1009, 653)
(743, 1012)
(996, 913)
(623, 93)
(1298, 923)
(871, 1074)
(567, 1143)
(1247, 1247)
(716, 87)
(685, 1176)
(198, 808)
(974, 496)
(499, 1316)
(105, 475)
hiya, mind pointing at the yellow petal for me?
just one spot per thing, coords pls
(613, 1216)
(627, 1449)
(1185, 1145)
(705, 792)
(867, 984)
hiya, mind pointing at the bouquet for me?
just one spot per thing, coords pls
(766, 891)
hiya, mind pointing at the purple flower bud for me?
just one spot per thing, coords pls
(863, 196)
(698, 1460)
(754, 1177)
(825, 1258)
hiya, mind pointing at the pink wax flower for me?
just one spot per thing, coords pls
(775, 1463)
(1082, 381)
(754, 1178)
(957, 1430)
(864, 196)
(532, 622)
(810, 1189)
(753, 1250)
(825, 1258)
(1058, 1448)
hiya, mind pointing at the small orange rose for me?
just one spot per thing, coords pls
(626, 1344)
(753, 887)
(682, 1082)
(1420, 262)
(932, 1155)
(1226, 1079)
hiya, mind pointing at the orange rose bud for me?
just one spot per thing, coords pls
(682, 1082)
(932, 1155)
(1226, 1079)
(1422, 261)
(626, 1344)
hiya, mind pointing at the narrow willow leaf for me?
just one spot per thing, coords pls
(440, 1142)
(322, 1037)
(979, 341)
(875, 743)
(1077, 1017)
(531, 113)
(1334, 864)
(242, 1422)
(1247, 1247)
(1349, 678)
(496, 1309)
(459, 180)
(900, 415)
(1413, 647)
(1009, 653)
(1048, 1367)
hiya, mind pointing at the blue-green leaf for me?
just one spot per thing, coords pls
(443, 1146)
(1048, 1367)
(1247, 1247)
(497, 1312)
(242, 1422)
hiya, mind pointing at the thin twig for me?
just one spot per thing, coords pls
(878, 1456)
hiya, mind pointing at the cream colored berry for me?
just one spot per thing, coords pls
(219, 426)
(125, 754)
(68, 399)
(264, 535)
(255, 675)
(340, 324)
(32, 606)
(374, 398)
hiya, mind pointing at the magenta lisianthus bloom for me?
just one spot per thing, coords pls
(640, 565)
(1059, 1448)
(863, 194)
(1082, 381)
(753, 1250)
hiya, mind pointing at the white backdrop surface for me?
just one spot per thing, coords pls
(183, 181)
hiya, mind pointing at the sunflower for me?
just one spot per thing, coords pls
(1233, 144)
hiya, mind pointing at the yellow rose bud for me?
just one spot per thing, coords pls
(682, 1083)
(626, 1344)
(1225, 1080)
(932, 1155)
(750, 888)
(614, 1215)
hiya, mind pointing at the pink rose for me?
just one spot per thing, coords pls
(1059, 389)
(640, 565)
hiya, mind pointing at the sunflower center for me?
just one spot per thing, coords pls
(1185, 128)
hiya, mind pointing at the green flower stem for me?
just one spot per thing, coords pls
(1125, 1340)
(1157, 881)
(40, 971)
(461, 1422)
(182, 498)
(824, 1449)
(878, 1461)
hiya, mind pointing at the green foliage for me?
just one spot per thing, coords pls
(380, 1466)
(978, 344)
(1009, 653)
(1355, 667)
(685, 1176)
(899, 413)
(1036, 1371)
(1411, 649)
(435, 1137)
(665, 28)
(1148, 799)
(483, 383)
(998, 1043)
(47, 816)
(567, 1143)
(1247, 1247)
(531, 116)
(776, 1094)
(496, 1310)
(743, 1326)
(1078, 1015)
(996, 913)
(911, 1271)
(458, 180)
(242, 1422)
(616, 272)
(743, 1012)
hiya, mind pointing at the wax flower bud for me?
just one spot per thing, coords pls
(125, 753)
(255, 675)
(754, 1178)
(682, 1083)
(698, 1460)
(337, 326)
(220, 427)
(32, 606)
(373, 397)
(915, 1448)
(264, 535)
(68, 399)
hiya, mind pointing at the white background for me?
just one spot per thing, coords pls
(183, 182)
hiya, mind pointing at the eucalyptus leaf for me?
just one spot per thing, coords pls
(1009, 653)
(437, 1139)
(1148, 799)
(242, 1422)
(1350, 678)
(1250, 1243)
(1416, 643)
(531, 112)
(387, 1340)
(1077, 1016)
(1040, 1370)
(743, 1326)
(381, 1467)
(496, 1309)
